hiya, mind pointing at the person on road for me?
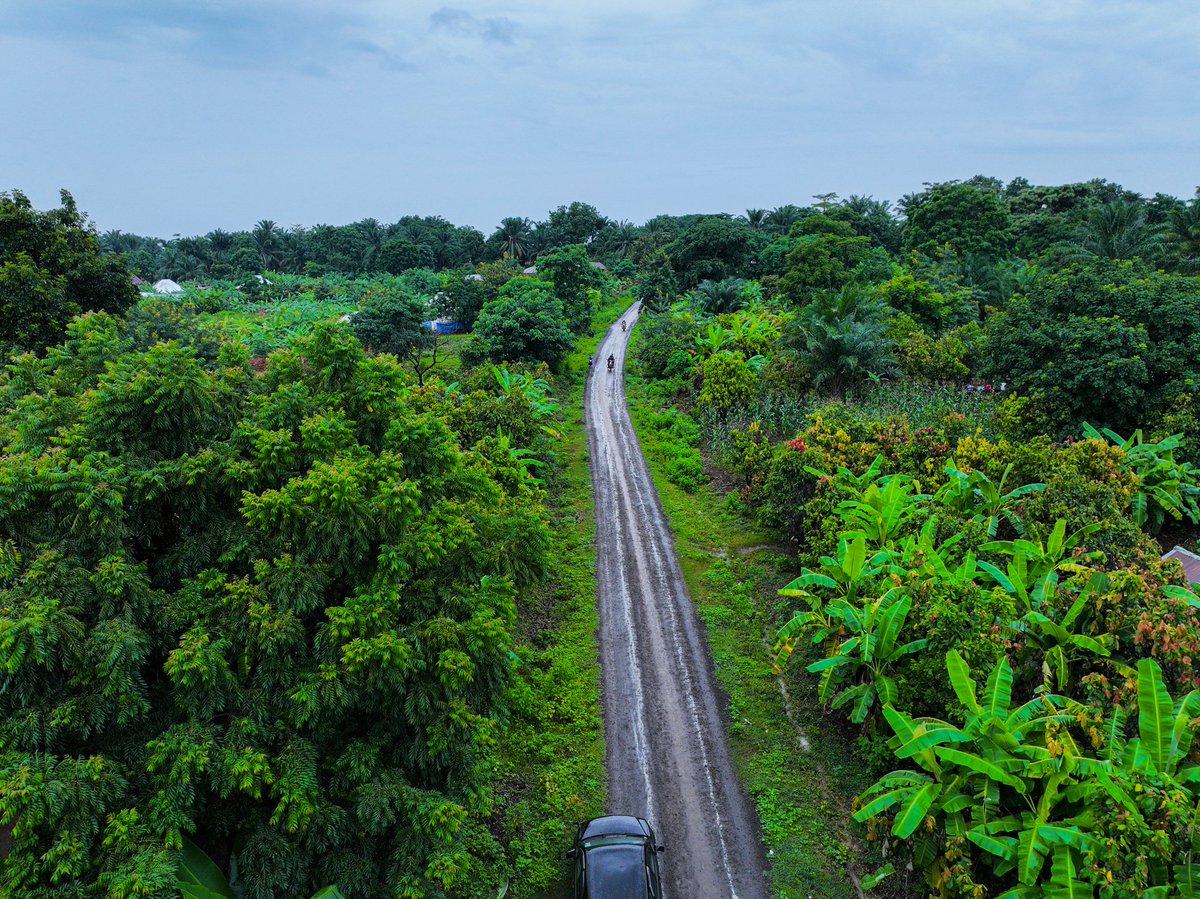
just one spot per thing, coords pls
(624, 325)
(612, 361)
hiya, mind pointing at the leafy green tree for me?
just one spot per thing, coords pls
(267, 612)
(400, 255)
(728, 382)
(573, 275)
(462, 295)
(932, 310)
(950, 357)
(715, 248)
(337, 248)
(51, 269)
(1100, 341)
(971, 219)
(656, 281)
(394, 322)
(823, 258)
(525, 322)
(578, 223)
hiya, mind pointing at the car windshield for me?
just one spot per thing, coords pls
(615, 839)
(616, 869)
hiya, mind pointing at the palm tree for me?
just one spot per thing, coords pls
(221, 242)
(373, 235)
(781, 218)
(1183, 228)
(266, 241)
(1118, 230)
(619, 236)
(719, 297)
(294, 253)
(119, 242)
(756, 218)
(843, 336)
(513, 235)
(180, 265)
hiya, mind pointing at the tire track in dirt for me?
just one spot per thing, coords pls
(668, 756)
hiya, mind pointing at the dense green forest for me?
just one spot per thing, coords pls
(276, 578)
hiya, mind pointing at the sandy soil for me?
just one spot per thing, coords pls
(668, 757)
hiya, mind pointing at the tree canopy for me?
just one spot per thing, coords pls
(52, 269)
(1099, 341)
(269, 612)
(525, 322)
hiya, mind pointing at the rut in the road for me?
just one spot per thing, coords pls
(668, 757)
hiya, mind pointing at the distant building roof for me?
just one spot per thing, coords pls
(599, 265)
(474, 277)
(137, 282)
(532, 270)
(166, 285)
(1190, 562)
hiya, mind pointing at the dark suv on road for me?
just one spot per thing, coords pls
(616, 858)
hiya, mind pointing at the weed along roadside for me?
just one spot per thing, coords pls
(799, 773)
(552, 756)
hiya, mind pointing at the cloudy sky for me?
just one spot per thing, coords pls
(170, 116)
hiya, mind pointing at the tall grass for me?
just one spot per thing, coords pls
(783, 415)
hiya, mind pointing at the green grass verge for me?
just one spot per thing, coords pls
(552, 754)
(799, 772)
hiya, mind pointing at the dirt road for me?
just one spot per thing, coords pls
(668, 758)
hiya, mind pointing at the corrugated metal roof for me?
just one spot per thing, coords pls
(1190, 562)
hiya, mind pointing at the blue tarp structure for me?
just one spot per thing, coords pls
(444, 326)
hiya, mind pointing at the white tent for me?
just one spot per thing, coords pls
(166, 285)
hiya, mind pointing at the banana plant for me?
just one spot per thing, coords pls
(1166, 488)
(522, 457)
(858, 670)
(198, 877)
(844, 576)
(993, 781)
(1061, 643)
(1166, 728)
(920, 555)
(536, 390)
(974, 494)
(847, 481)
(1034, 566)
(883, 512)
(714, 339)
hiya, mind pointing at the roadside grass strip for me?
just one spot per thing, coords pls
(800, 774)
(551, 772)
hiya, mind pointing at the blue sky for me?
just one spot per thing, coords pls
(165, 117)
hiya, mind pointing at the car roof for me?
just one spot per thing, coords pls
(615, 824)
(616, 872)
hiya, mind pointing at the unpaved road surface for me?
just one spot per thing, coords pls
(668, 758)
